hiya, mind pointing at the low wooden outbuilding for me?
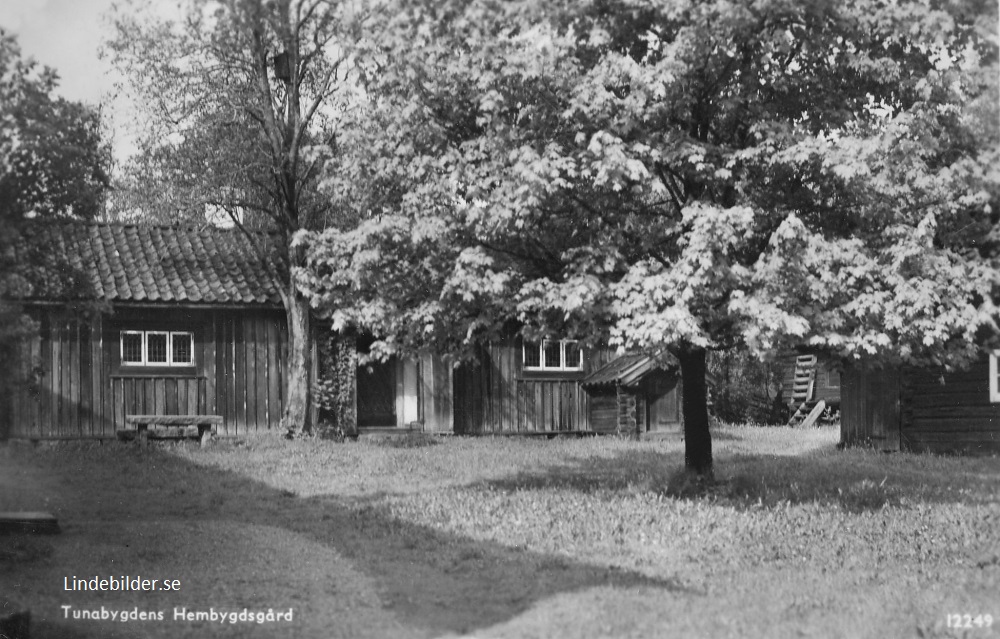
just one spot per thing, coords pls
(634, 395)
(914, 409)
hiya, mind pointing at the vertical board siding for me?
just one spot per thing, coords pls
(870, 407)
(207, 343)
(156, 395)
(248, 379)
(262, 371)
(80, 393)
(435, 398)
(492, 395)
(86, 390)
(273, 376)
(73, 375)
(46, 382)
(240, 375)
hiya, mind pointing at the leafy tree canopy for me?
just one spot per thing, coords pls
(52, 159)
(660, 175)
(674, 176)
(221, 128)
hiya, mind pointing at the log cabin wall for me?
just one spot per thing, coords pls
(80, 390)
(949, 413)
(494, 394)
(920, 410)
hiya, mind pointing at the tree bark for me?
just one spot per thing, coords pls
(296, 416)
(697, 438)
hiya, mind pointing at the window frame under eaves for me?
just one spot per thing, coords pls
(144, 349)
(539, 348)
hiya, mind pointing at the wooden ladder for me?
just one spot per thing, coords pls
(802, 387)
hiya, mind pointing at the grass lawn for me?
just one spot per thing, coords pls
(509, 538)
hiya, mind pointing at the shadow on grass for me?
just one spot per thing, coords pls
(855, 480)
(429, 580)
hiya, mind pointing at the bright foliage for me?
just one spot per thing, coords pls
(673, 175)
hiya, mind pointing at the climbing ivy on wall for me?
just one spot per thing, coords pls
(335, 386)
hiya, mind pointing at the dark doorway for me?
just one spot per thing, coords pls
(376, 392)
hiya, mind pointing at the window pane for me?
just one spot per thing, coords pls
(156, 348)
(532, 355)
(131, 348)
(833, 379)
(182, 348)
(553, 355)
(573, 355)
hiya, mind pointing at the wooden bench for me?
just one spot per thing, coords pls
(175, 425)
(36, 523)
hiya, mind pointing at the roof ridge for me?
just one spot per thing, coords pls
(208, 226)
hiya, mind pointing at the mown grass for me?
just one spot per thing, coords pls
(599, 537)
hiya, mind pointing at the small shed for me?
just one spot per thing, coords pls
(634, 394)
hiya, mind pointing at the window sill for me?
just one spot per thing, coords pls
(157, 371)
(552, 375)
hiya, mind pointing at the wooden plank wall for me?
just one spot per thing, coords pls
(870, 407)
(157, 395)
(61, 394)
(436, 397)
(81, 392)
(247, 370)
(950, 413)
(493, 395)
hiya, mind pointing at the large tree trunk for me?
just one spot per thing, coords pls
(296, 417)
(697, 439)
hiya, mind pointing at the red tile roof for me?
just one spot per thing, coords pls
(151, 264)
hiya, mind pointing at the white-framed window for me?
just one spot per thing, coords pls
(157, 348)
(553, 355)
(994, 385)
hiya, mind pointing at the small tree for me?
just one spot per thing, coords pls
(686, 176)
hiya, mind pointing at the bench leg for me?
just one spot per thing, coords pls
(141, 435)
(204, 434)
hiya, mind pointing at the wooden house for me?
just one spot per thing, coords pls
(915, 409)
(196, 327)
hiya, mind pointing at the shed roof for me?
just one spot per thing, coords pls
(624, 370)
(147, 264)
